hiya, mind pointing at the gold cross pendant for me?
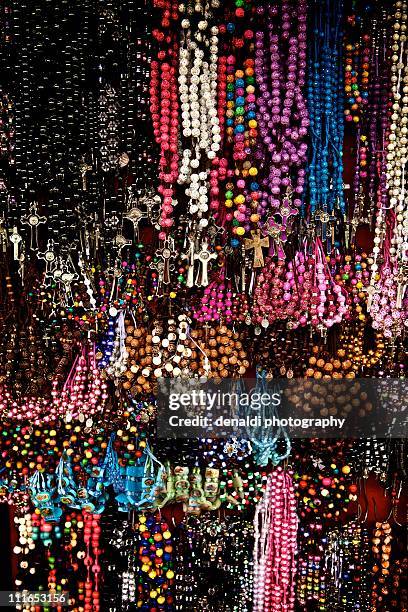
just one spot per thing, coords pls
(256, 243)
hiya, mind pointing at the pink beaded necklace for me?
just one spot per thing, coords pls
(301, 291)
(275, 547)
(216, 303)
(82, 396)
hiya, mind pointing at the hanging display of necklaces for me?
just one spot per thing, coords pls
(213, 193)
(211, 555)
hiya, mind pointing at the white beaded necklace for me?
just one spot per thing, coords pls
(396, 170)
(198, 95)
(397, 148)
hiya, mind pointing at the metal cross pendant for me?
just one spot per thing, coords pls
(49, 257)
(190, 257)
(323, 217)
(66, 278)
(166, 253)
(3, 236)
(121, 242)
(286, 210)
(158, 266)
(354, 223)
(33, 219)
(256, 243)
(151, 200)
(370, 290)
(402, 280)
(57, 272)
(323, 330)
(15, 238)
(204, 257)
(83, 169)
(135, 215)
(278, 234)
(135, 211)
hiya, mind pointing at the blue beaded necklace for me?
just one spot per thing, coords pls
(268, 445)
(324, 197)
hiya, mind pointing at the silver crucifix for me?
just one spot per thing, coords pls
(135, 215)
(204, 257)
(49, 257)
(151, 200)
(166, 253)
(15, 238)
(33, 219)
(83, 169)
(3, 235)
(402, 280)
(190, 256)
(66, 278)
(121, 242)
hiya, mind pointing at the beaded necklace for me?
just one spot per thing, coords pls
(381, 547)
(271, 446)
(311, 579)
(154, 563)
(212, 560)
(324, 196)
(308, 295)
(200, 123)
(378, 119)
(388, 288)
(165, 109)
(36, 552)
(83, 392)
(135, 100)
(241, 125)
(275, 547)
(346, 561)
(397, 156)
(91, 536)
(324, 486)
(74, 548)
(282, 117)
(358, 55)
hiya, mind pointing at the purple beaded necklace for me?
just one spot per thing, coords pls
(280, 67)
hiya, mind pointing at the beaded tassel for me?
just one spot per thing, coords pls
(276, 525)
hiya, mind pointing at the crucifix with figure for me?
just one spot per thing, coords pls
(277, 232)
(324, 218)
(84, 167)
